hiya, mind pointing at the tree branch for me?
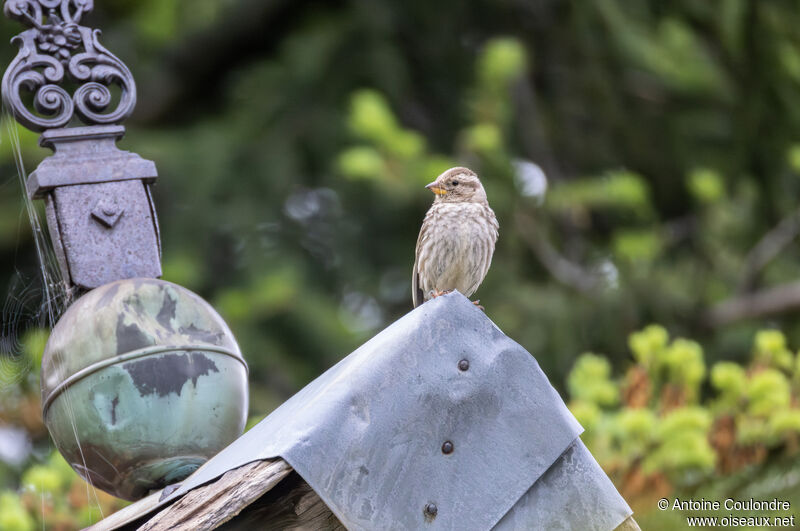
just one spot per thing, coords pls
(563, 270)
(770, 301)
(768, 247)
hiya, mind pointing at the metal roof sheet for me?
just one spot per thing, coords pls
(440, 421)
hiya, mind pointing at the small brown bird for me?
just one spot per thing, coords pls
(456, 241)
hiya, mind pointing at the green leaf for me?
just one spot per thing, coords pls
(502, 61)
(361, 163)
(589, 381)
(705, 185)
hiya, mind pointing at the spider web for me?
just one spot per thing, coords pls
(34, 304)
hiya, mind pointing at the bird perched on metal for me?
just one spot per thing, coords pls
(457, 238)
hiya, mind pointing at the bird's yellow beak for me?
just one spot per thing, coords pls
(436, 189)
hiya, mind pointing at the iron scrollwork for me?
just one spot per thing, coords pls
(57, 49)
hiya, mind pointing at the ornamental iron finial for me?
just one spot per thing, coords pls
(57, 49)
(104, 232)
(98, 198)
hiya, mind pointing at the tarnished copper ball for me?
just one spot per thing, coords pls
(142, 382)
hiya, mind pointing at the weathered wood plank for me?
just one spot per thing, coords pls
(212, 505)
(290, 505)
(628, 525)
(127, 516)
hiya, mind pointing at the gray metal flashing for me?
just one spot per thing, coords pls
(574, 494)
(369, 434)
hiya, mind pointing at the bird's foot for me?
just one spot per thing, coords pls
(478, 304)
(437, 293)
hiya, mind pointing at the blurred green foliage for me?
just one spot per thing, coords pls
(643, 159)
(42, 491)
(651, 427)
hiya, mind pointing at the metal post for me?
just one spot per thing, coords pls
(99, 208)
(142, 381)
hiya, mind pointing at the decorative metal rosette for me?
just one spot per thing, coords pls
(57, 49)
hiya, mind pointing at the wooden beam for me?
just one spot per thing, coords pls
(292, 504)
(628, 525)
(214, 504)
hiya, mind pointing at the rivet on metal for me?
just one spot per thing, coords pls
(431, 510)
(447, 448)
(463, 365)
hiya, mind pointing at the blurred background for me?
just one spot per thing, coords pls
(643, 159)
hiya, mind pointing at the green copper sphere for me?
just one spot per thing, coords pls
(142, 382)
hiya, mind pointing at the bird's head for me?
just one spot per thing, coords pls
(458, 185)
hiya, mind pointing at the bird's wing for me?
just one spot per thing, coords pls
(416, 292)
(417, 296)
(484, 246)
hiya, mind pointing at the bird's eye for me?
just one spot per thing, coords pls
(454, 183)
